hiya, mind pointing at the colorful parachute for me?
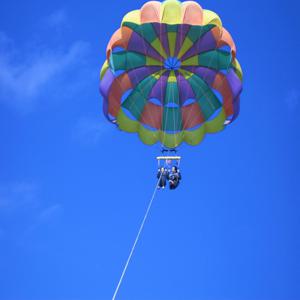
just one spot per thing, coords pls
(171, 74)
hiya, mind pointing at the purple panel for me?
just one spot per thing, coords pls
(106, 82)
(161, 31)
(236, 109)
(137, 75)
(205, 43)
(181, 34)
(208, 75)
(138, 44)
(105, 106)
(158, 90)
(234, 83)
(185, 90)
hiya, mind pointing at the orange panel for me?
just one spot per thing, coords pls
(220, 84)
(191, 116)
(119, 39)
(119, 86)
(192, 13)
(152, 115)
(150, 12)
(226, 40)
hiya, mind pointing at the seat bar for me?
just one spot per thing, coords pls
(168, 157)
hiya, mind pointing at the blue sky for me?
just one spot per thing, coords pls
(73, 189)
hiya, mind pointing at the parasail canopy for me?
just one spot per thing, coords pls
(171, 74)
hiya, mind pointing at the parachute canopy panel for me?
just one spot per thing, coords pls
(171, 74)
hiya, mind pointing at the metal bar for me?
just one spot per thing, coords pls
(168, 157)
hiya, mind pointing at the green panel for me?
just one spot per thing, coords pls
(126, 60)
(196, 32)
(144, 30)
(137, 99)
(172, 93)
(172, 120)
(200, 88)
(208, 106)
(135, 103)
(207, 100)
(216, 59)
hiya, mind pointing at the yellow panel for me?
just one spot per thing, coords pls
(148, 137)
(153, 62)
(194, 137)
(217, 124)
(210, 17)
(156, 44)
(171, 12)
(172, 77)
(186, 73)
(125, 123)
(187, 44)
(238, 68)
(192, 61)
(133, 17)
(104, 69)
(171, 140)
(172, 42)
(158, 74)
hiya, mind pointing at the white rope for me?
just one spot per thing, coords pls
(136, 240)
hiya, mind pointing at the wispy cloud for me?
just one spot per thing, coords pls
(57, 19)
(49, 213)
(90, 130)
(26, 71)
(44, 217)
(293, 99)
(17, 195)
(23, 81)
(22, 211)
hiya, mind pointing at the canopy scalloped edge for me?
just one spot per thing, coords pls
(192, 138)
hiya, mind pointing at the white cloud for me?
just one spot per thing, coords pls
(43, 65)
(49, 213)
(57, 19)
(293, 99)
(17, 195)
(22, 80)
(90, 130)
(22, 211)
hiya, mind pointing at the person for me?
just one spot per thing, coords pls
(174, 178)
(163, 175)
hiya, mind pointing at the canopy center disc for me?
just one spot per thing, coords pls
(172, 63)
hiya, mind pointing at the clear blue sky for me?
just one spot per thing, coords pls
(73, 189)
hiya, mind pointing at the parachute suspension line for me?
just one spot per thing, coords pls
(136, 241)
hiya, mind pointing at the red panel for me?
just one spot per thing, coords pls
(191, 116)
(119, 39)
(119, 86)
(220, 84)
(152, 115)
